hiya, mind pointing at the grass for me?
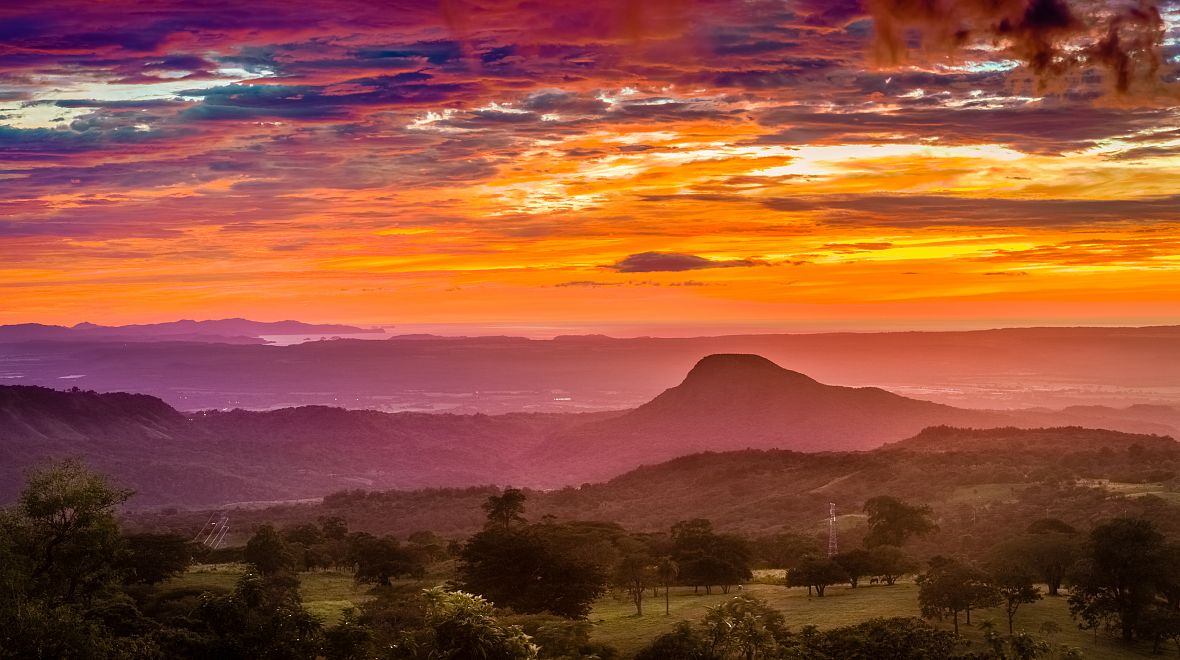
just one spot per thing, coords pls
(328, 594)
(979, 494)
(325, 594)
(615, 622)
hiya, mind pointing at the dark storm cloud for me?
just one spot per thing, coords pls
(672, 262)
(1052, 38)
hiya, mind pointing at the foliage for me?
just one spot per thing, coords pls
(890, 562)
(1118, 574)
(153, 558)
(685, 642)
(261, 618)
(459, 626)
(1013, 583)
(379, 560)
(785, 549)
(856, 564)
(909, 638)
(1047, 554)
(893, 522)
(950, 587)
(635, 574)
(505, 509)
(706, 558)
(64, 535)
(816, 573)
(267, 552)
(526, 570)
(561, 639)
(745, 627)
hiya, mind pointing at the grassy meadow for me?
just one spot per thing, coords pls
(327, 594)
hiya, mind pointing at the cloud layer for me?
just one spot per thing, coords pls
(472, 159)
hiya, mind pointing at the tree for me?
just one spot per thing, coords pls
(526, 570)
(267, 551)
(667, 570)
(65, 531)
(153, 558)
(816, 573)
(950, 587)
(856, 564)
(685, 642)
(1118, 574)
(785, 549)
(893, 522)
(506, 508)
(1160, 624)
(261, 618)
(1014, 584)
(745, 627)
(890, 562)
(882, 638)
(706, 558)
(1048, 553)
(379, 560)
(463, 625)
(634, 574)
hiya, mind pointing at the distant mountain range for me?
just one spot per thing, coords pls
(994, 369)
(235, 331)
(726, 402)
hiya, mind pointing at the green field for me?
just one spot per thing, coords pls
(327, 594)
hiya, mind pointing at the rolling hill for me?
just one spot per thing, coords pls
(981, 483)
(727, 402)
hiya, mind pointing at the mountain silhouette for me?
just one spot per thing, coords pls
(727, 402)
(735, 401)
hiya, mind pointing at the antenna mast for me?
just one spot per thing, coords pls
(833, 549)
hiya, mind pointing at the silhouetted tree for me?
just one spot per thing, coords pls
(506, 508)
(890, 562)
(667, 570)
(1014, 584)
(1046, 550)
(267, 552)
(816, 573)
(1118, 574)
(153, 558)
(893, 522)
(856, 564)
(379, 560)
(950, 587)
(524, 570)
(634, 574)
(706, 558)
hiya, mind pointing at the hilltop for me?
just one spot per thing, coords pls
(725, 403)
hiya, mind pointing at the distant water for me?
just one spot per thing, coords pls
(288, 340)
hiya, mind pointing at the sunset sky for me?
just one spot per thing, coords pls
(700, 164)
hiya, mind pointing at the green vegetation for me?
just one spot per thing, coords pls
(575, 589)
